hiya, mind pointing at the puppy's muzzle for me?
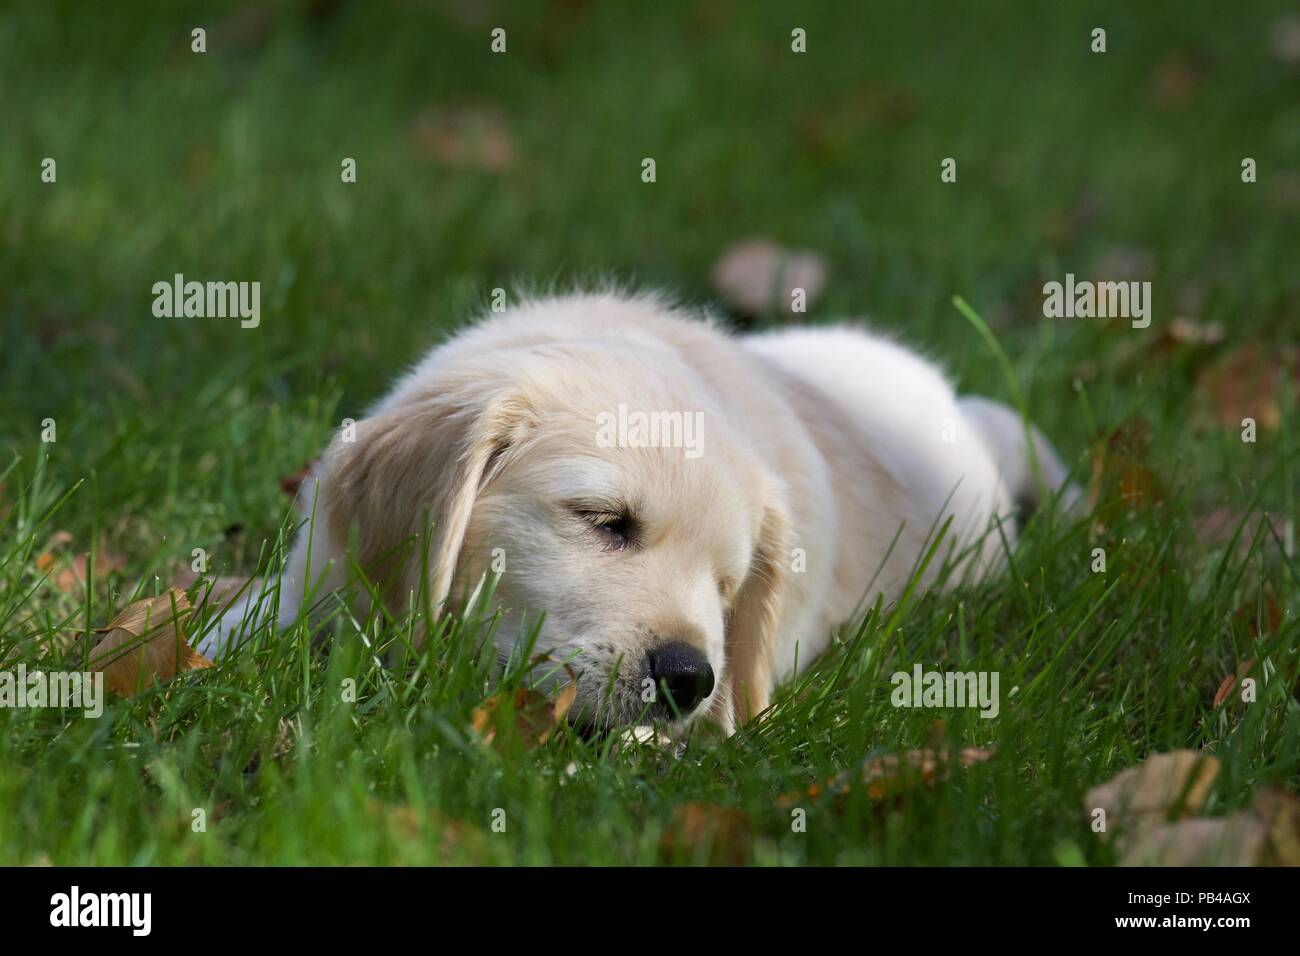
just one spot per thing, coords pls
(682, 677)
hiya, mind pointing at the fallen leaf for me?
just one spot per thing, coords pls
(1229, 683)
(71, 577)
(831, 131)
(45, 560)
(891, 775)
(1163, 784)
(1121, 479)
(1265, 834)
(146, 641)
(1280, 810)
(1261, 615)
(1236, 840)
(1245, 384)
(718, 835)
(1175, 80)
(1183, 332)
(536, 715)
(757, 276)
(407, 826)
(467, 137)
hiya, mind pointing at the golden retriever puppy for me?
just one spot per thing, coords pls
(693, 513)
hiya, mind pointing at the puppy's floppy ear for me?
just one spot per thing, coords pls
(429, 455)
(754, 618)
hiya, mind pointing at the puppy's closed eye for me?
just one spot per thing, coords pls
(616, 530)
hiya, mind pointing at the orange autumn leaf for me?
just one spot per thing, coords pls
(1121, 479)
(1262, 616)
(721, 835)
(71, 577)
(45, 560)
(1247, 383)
(1229, 683)
(536, 715)
(891, 775)
(146, 641)
(406, 826)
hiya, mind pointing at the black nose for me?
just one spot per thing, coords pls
(683, 672)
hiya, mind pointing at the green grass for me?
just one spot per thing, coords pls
(173, 434)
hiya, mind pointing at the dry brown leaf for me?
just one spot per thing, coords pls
(1236, 840)
(1229, 683)
(71, 577)
(1188, 333)
(720, 834)
(1280, 810)
(536, 715)
(146, 641)
(45, 560)
(406, 826)
(468, 137)
(757, 276)
(1165, 783)
(1142, 799)
(1246, 383)
(1175, 80)
(1260, 616)
(1121, 479)
(1265, 834)
(891, 775)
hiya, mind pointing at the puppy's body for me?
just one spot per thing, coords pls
(828, 458)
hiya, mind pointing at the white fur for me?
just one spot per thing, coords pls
(824, 447)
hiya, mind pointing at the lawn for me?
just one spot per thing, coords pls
(478, 170)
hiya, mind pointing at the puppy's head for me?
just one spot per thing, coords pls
(608, 491)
